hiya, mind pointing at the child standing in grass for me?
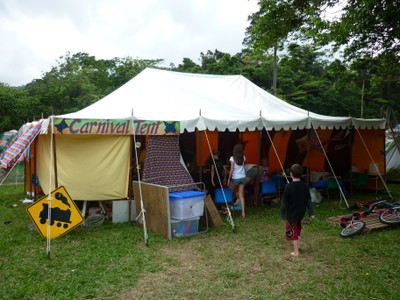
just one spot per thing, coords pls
(296, 200)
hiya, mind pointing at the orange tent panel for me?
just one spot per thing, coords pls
(280, 141)
(202, 140)
(251, 140)
(369, 143)
(316, 157)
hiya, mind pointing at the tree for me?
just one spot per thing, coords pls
(121, 70)
(15, 107)
(258, 68)
(214, 62)
(302, 77)
(380, 81)
(79, 79)
(188, 66)
(366, 28)
(272, 25)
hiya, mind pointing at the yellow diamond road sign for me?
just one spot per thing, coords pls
(60, 213)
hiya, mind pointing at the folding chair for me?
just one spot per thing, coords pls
(226, 194)
(280, 183)
(267, 191)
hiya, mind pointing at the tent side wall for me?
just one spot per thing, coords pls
(369, 142)
(250, 139)
(96, 167)
(280, 141)
(343, 147)
(344, 150)
(90, 167)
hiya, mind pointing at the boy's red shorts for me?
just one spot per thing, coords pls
(293, 230)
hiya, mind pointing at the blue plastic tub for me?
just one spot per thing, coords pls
(186, 204)
(219, 196)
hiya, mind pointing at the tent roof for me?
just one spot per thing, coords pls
(207, 102)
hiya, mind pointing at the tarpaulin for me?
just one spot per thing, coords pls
(13, 153)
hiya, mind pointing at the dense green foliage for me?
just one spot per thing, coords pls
(367, 30)
(360, 83)
(306, 79)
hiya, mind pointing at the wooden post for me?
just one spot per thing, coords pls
(257, 182)
(308, 157)
(34, 169)
(351, 160)
(55, 161)
(133, 168)
(200, 168)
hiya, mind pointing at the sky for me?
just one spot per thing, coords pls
(35, 33)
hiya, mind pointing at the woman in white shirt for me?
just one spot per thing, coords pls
(237, 175)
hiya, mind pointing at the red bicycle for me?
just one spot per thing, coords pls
(389, 213)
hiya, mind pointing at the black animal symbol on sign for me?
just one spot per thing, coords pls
(61, 197)
(57, 214)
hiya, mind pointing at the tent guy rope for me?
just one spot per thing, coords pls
(276, 153)
(376, 168)
(342, 196)
(142, 213)
(229, 215)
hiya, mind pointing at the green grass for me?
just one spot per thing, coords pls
(112, 262)
(16, 176)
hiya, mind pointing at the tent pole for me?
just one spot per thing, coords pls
(259, 167)
(130, 187)
(351, 160)
(200, 169)
(34, 166)
(55, 161)
(308, 157)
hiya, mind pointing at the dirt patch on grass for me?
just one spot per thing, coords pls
(179, 266)
(253, 263)
(217, 267)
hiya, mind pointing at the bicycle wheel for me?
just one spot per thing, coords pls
(352, 229)
(390, 217)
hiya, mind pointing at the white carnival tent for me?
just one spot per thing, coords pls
(93, 147)
(209, 102)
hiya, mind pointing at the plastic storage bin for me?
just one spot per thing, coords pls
(120, 211)
(219, 197)
(186, 204)
(184, 227)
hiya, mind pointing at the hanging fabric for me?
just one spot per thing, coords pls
(163, 164)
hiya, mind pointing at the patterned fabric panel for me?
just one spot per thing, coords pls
(162, 165)
(13, 153)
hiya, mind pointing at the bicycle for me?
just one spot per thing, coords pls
(391, 216)
(351, 225)
(388, 214)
